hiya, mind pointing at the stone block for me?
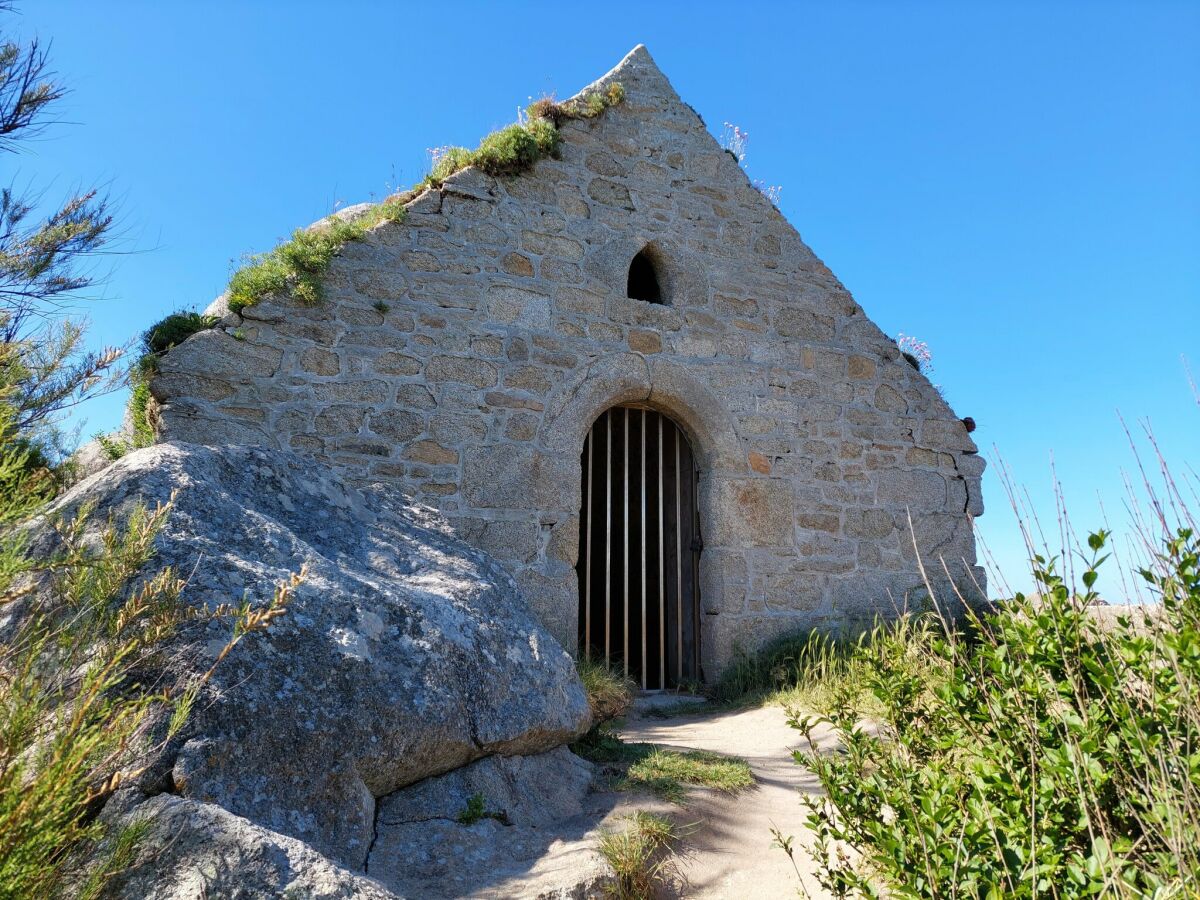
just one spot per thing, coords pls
(517, 306)
(320, 362)
(517, 264)
(336, 420)
(804, 324)
(396, 424)
(551, 245)
(507, 477)
(375, 392)
(753, 511)
(946, 435)
(610, 193)
(216, 354)
(645, 341)
(869, 524)
(521, 427)
(860, 368)
(463, 370)
(431, 452)
(393, 363)
(917, 489)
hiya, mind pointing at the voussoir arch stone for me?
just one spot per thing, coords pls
(605, 382)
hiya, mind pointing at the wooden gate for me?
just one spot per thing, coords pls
(639, 539)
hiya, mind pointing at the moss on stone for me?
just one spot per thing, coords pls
(156, 340)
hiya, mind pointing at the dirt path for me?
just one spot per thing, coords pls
(729, 854)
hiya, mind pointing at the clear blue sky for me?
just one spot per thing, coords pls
(1016, 184)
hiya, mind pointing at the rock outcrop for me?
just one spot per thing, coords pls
(404, 654)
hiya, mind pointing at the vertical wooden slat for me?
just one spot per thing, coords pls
(678, 563)
(608, 538)
(678, 611)
(695, 557)
(587, 551)
(645, 662)
(625, 548)
(662, 583)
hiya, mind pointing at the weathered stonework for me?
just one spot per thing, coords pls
(465, 353)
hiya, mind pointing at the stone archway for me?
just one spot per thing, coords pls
(674, 391)
(640, 546)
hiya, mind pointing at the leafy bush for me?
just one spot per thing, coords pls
(1045, 752)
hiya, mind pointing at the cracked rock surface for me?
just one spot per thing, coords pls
(405, 654)
(536, 838)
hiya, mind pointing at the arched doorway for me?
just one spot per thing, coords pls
(639, 539)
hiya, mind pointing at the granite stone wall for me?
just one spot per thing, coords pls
(465, 353)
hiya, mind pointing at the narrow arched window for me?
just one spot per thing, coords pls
(643, 280)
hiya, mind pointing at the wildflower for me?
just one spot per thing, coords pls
(917, 349)
(734, 140)
(436, 154)
(770, 191)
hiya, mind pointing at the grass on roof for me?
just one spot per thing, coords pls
(298, 265)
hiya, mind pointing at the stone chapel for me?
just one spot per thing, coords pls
(624, 375)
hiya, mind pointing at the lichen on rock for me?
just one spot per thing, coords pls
(404, 654)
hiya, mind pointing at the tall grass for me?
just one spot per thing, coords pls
(641, 857)
(609, 692)
(1038, 750)
(809, 670)
(80, 623)
(75, 715)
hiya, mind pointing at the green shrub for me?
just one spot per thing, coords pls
(175, 329)
(515, 148)
(1052, 753)
(297, 265)
(507, 151)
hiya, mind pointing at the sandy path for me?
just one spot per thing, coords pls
(730, 854)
